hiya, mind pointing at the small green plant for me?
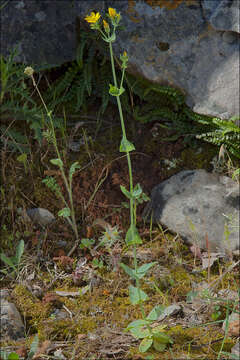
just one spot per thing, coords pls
(225, 132)
(14, 261)
(68, 211)
(14, 356)
(16, 103)
(140, 329)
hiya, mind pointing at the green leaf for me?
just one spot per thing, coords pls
(129, 271)
(22, 158)
(145, 344)
(7, 261)
(114, 91)
(86, 243)
(139, 331)
(126, 146)
(13, 356)
(57, 162)
(34, 347)
(236, 174)
(132, 236)
(191, 295)
(97, 263)
(136, 295)
(19, 251)
(65, 212)
(160, 336)
(137, 191)
(155, 312)
(137, 324)
(125, 192)
(141, 271)
(158, 346)
(73, 168)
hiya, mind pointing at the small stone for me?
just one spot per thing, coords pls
(40, 216)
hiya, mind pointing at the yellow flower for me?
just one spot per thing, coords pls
(125, 53)
(106, 26)
(93, 18)
(112, 13)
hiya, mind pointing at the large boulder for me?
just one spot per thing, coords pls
(194, 47)
(194, 203)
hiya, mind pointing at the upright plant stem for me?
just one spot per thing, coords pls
(67, 185)
(132, 215)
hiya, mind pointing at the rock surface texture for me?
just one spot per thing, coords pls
(12, 327)
(194, 47)
(194, 203)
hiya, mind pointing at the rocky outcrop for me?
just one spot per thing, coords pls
(194, 47)
(195, 203)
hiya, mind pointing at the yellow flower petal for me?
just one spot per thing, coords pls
(93, 18)
(112, 13)
(105, 24)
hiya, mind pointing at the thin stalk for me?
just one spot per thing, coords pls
(132, 217)
(67, 185)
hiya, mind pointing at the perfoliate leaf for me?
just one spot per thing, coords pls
(137, 191)
(125, 192)
(132, 236)
(137, 295)
(114, 91)
(65, 212)
(145, 344)
(126, 146)
(57, 162)
(73, 168)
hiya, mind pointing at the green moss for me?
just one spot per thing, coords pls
(32, 309)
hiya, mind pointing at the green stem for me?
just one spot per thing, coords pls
(132, 217)
(68, 186)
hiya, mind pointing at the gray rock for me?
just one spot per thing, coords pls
(170, 310)
(236, 349)
(194, 203)
(199, 56)
(222, 15)
(40, 216)
(11, 323)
